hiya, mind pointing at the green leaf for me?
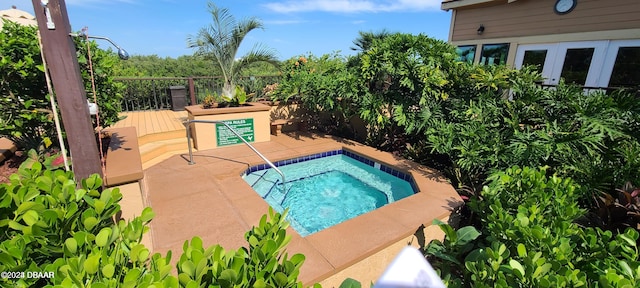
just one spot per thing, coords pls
(188, 268)
(99, 206)
(281, 279)
(350, 283)
(522, 250)
(516, 266)
(132, 275)
(102, 239)
(16, 226)
(93, 182)
(108, 270)
(29, 206)
(71, 245)
(467, 234)
(447, 229)
(253, 241)
(30, 217)
(92, 264)
(626, 269)
(230, 275)
(90, 222)
(542, 270)
(148, 214)
(259, 284)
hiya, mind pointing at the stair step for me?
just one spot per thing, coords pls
(169, 135)
(155, 149)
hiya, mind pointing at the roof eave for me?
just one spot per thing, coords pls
(454, 4)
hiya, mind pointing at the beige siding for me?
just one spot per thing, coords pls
(536, 17)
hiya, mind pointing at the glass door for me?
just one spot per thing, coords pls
(579, 63)
(539, 55)
(575, 62)
(622, 64)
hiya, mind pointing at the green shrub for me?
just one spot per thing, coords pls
(25, 110)
(263, 264)
(108, 92)
(50, 226)
(530, 239)
(325, 87)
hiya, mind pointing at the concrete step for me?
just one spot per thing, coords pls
(152, 150)
(169, 135)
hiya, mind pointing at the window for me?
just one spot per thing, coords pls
(494, 54)
(626, 70)
(576, 65)
(466, 53)
(535, 58)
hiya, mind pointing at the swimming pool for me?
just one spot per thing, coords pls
(327, 188)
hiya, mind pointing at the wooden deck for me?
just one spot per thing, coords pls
(153, 122)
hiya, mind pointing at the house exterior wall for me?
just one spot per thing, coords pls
(536, 18)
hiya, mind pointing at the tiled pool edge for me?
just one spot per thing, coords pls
(363, 159)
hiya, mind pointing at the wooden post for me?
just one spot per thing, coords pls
(192, 91)
(60, 54)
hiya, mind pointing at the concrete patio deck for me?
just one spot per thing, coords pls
(211, 200)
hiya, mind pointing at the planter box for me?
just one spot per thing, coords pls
(251, 121)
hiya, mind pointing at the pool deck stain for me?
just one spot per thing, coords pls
(212, 201)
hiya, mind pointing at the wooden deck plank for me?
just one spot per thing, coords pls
(166, 122)
(153, 118)
(139, 123)
(178, 118)
(153, 122)
(161, 124)
(172, 121)
(148, 124)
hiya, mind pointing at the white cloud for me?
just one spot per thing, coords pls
(353, 6)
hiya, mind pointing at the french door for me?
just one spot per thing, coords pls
(587, 63)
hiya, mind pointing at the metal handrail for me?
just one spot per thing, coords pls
(191, 162)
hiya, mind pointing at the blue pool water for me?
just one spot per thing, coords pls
(328, 188)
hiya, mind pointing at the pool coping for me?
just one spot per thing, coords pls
(328, 251)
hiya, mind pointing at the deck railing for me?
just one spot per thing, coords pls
(588, 89)
(154, 93)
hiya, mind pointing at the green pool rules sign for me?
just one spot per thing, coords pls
(244, 127)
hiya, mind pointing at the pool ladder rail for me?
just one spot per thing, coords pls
(188, 123)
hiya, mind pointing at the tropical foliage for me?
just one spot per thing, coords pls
(220, 42)
(108, 92)
(155, 66)
(477, 124)
(325, 87)
(529, 238)
(25, 113)
(67, 236)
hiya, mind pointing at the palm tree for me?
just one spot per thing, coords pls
(220, 42)
(365, 39)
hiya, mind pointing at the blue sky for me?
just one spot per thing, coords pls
(292, 27)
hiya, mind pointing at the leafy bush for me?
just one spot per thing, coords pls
(25, 112)
(263, 264)
(108, 91)
(53, 228)
(529, 239)
(325, 87)
(591, 138)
